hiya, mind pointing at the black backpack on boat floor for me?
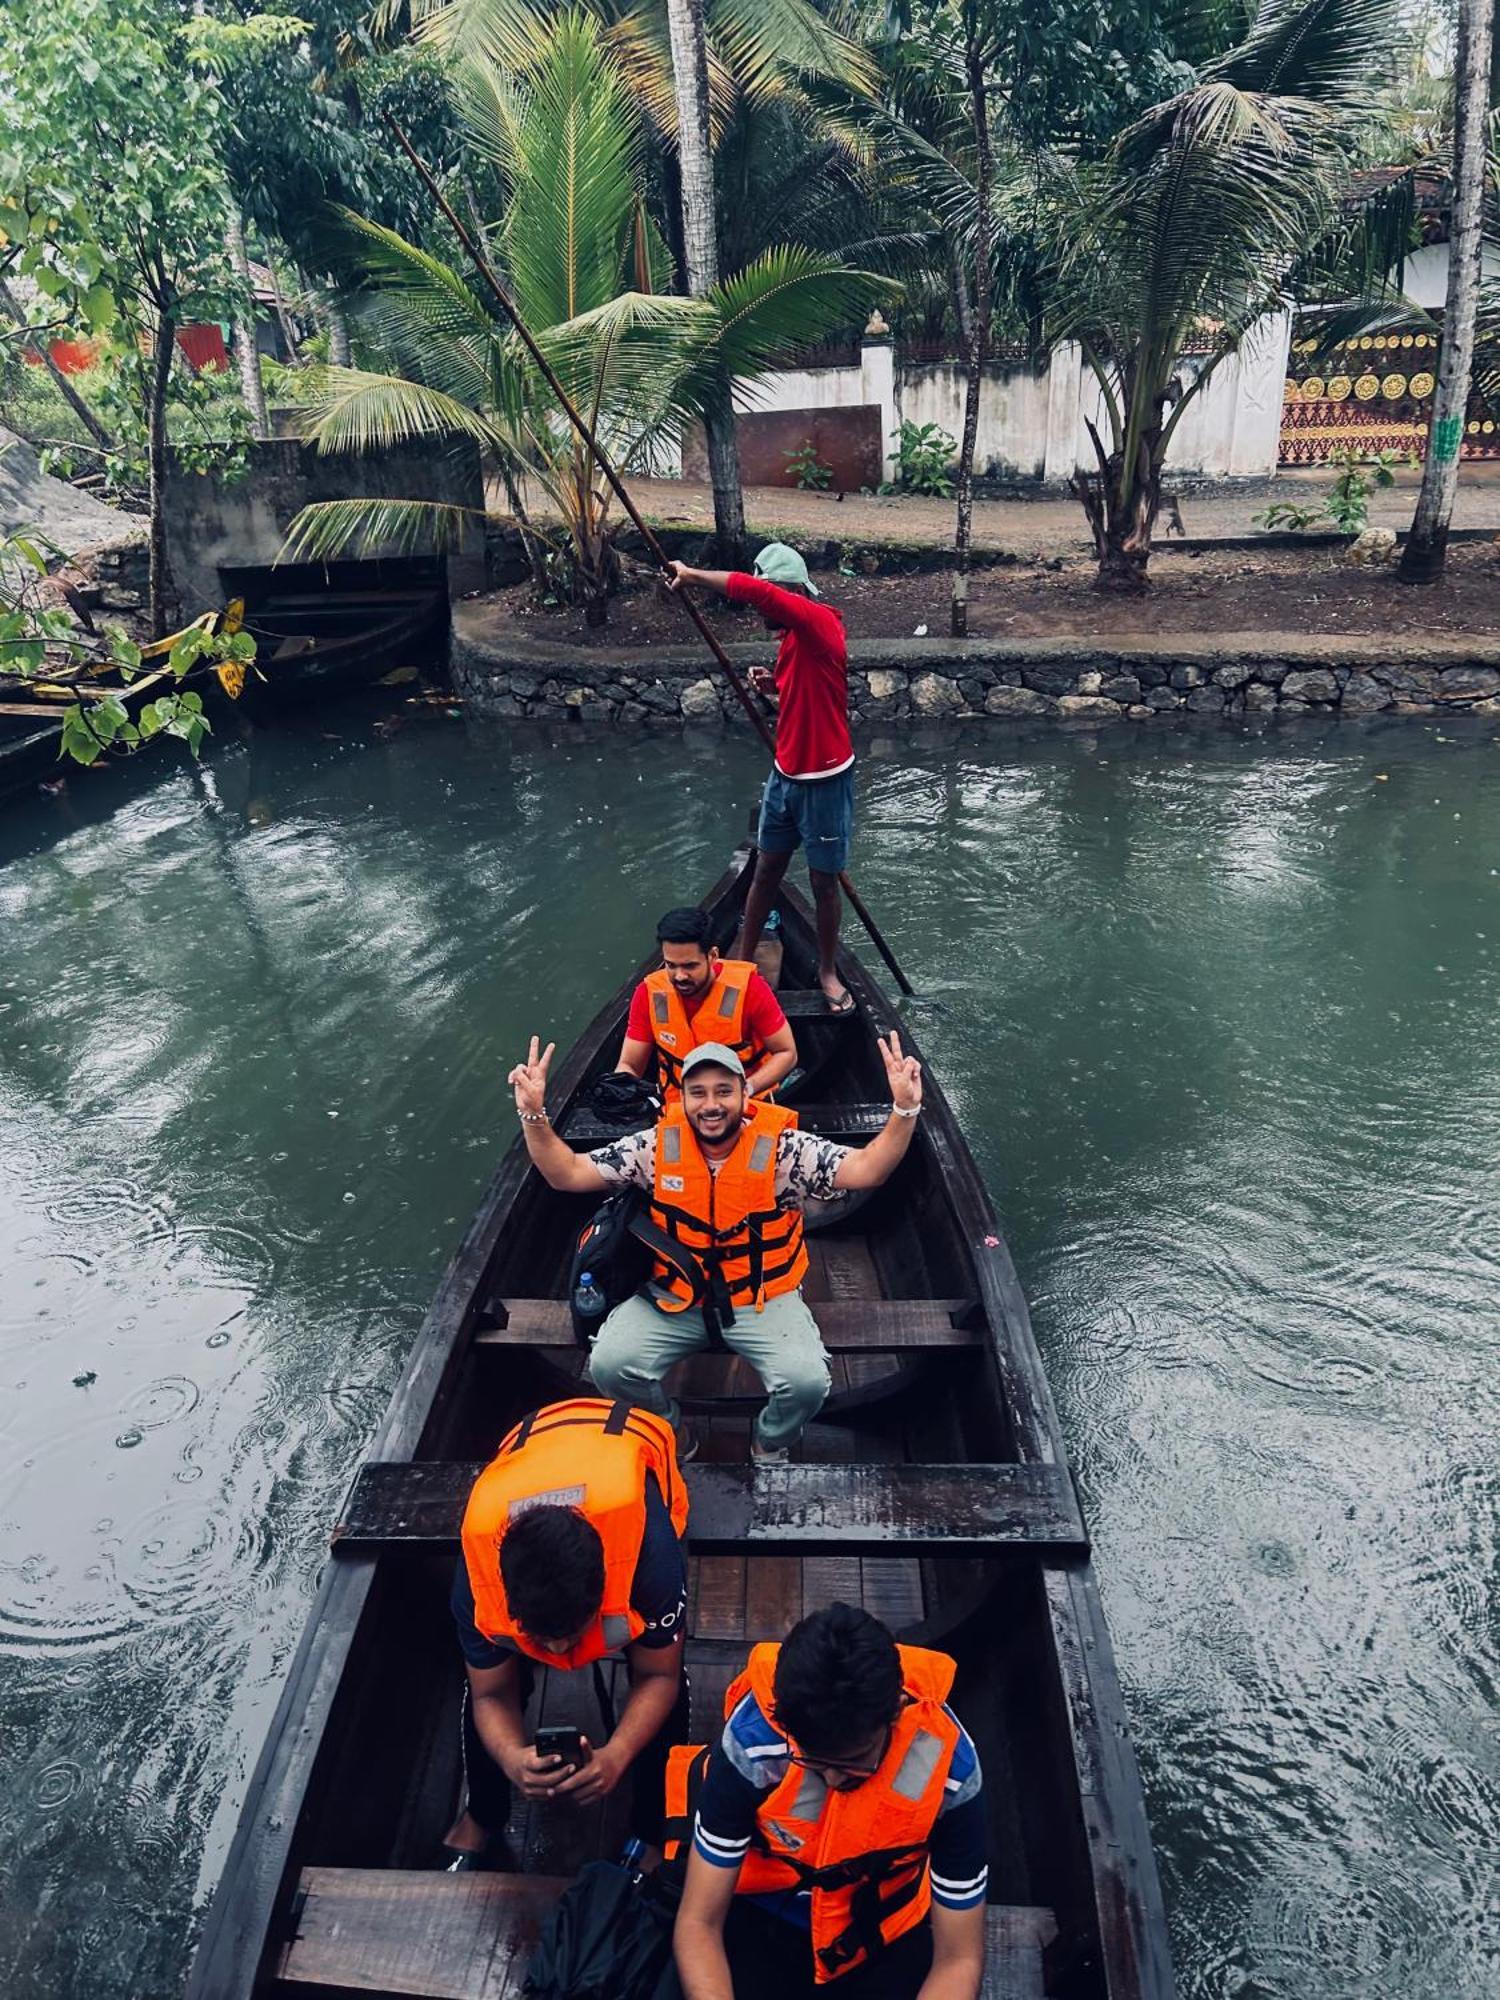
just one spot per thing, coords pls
(608, 1938)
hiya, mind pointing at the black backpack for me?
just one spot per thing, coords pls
(609, 1938)
(614, 1256)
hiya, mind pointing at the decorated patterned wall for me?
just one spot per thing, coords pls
(1373, 394)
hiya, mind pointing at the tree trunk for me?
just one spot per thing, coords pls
(529, 542)
(1427, 545)
(284, 321)
(251, 387)
(13, 308)
(701, 247)
(339, 351)
(1121, 514)
(978, 343)
(160, 588)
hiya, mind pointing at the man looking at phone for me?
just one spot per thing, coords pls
(572, 1550)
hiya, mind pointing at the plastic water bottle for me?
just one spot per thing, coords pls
(589, 1303)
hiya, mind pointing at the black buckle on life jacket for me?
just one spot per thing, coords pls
(867, 1875)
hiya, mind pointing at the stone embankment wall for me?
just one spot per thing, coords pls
(1067, 681)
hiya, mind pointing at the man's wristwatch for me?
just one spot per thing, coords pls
(907, 1111)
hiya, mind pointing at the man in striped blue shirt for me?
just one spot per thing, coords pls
(844, 1802)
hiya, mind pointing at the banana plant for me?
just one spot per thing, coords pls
(565, 139)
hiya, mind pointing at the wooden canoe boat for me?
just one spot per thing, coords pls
(933, 1489)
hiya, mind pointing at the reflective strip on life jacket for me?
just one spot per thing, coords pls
(729, 1226)
(588, 1454)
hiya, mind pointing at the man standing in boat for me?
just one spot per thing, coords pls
(727, 1177)
(809, 796)
(572, 1550)
(836, 1835)
(695, 996)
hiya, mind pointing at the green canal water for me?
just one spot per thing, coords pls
(1219, 1013)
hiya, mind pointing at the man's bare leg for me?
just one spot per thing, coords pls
(769, 870)
(829, 903)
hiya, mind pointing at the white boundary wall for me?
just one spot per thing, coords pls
(1032, 425)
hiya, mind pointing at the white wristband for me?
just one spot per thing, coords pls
(901, 1111)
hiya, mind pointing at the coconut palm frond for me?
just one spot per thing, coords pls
(491, 101)
(579, 151)
(390, 263)
(769, 44)
(359, 412)
(328, 528)
(503, 34)
(639, 44)
(1487, 344)
(788, 298)
(1336, 325)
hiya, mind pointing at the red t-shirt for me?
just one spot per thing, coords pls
(763, 1015)
(812, 678)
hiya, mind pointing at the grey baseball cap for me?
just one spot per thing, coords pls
(713, 1052)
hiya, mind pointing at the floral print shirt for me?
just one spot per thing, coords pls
(805, 1165)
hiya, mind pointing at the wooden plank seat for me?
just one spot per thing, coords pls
(838, 1509)
(583, 1130)
(848, 1326)
(471, 1937)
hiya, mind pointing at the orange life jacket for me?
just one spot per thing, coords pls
(738, 1246)
(589, 1454)
(861, 1853)
(720, 1018)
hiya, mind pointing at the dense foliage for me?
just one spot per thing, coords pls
(1150, 178)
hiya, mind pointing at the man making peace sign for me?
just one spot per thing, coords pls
(727, 1177)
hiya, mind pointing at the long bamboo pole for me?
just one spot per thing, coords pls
(575, 417)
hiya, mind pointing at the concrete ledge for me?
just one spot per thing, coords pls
(1069, 680)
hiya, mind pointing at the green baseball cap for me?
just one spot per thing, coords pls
(777, 563)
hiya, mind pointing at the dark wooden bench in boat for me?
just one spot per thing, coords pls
(856, 1510)
(470, 1937)
(848, 1326)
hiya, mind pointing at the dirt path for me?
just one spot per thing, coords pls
(1050, 525)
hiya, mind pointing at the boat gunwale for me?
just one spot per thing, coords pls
(237, 1935)
(236, 1949)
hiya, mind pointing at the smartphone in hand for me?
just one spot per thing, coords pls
(565, 1743)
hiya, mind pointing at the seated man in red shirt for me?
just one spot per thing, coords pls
(809, 796)
(696, 996)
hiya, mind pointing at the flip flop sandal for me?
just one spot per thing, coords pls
(844, 1006)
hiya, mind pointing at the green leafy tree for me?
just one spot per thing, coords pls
(583, 260)
(135, 249)
(47, 656)
(1198, 224)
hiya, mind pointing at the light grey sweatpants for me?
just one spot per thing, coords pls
(637, 1345)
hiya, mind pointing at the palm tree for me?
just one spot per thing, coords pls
(1426, 547)
(1193, 230)
(700, 237)
(565, 140)
(692, 63)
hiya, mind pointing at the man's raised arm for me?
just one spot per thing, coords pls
(559, 1166)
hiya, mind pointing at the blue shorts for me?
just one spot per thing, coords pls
(816, 813)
